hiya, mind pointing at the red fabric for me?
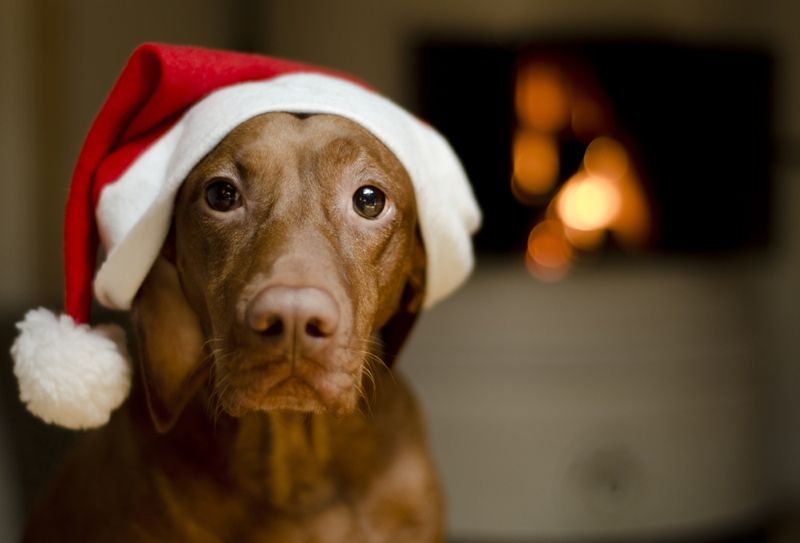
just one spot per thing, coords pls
(157, 85)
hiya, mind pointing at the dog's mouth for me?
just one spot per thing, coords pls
(301, 385)
(292, 393)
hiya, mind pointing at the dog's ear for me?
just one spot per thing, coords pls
(395, 332)
(170, 337)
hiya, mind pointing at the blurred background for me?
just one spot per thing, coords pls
(623, 365)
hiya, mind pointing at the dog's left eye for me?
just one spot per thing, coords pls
(369, 201)
(223, 196)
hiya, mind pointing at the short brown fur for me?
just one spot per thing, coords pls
(232, 434)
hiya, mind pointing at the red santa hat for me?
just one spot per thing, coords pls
(171, 106)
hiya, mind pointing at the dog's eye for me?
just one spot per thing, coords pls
(369, 201)
(222, 196)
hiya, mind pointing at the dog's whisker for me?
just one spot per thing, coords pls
(365, 402)
(220, 390)
(376, 362)
(368, 373)
(221, 385)
(212, 340)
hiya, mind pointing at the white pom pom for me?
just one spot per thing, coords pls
(70, 374)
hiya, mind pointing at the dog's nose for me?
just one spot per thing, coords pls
(305, 314)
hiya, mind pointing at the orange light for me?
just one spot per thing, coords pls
(606, 157)
(586, 240)
(535, 163)
(588, 202)
(632, 225)
(542, 98)
(549, 254)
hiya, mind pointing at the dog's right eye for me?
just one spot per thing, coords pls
(222, 196)
(369, 201)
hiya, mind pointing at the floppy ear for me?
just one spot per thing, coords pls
(170, 337)
(395, 332)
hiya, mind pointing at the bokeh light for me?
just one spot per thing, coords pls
(549, 253)
(588, 202)
(535, 163)
(603, 198)
(542, 98)
(632, 226)
(585, 240)
(606, 157)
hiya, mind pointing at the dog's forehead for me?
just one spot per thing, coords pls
(292, 133)
(293, 146)
(319, 151)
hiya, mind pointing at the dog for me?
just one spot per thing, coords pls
(265, 409)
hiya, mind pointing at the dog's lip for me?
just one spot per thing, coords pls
(287, 392)
(292, 386)
(257, 375)
(264, 384)
(254, 375)
(268, 377)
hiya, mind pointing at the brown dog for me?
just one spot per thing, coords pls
(265, 412)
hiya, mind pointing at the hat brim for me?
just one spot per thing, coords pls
(134, 213)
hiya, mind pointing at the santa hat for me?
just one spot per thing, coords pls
(171, 106)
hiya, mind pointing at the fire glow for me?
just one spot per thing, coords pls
(603, 196)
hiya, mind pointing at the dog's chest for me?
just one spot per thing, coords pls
(293, 464)
(317, 482)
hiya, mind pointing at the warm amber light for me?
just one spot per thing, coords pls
(632, 224)
(542, 98)
(535, 162)
(606, 157)
(585, 240)
(588, 202)
(549, 253)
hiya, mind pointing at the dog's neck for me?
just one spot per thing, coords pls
(284, 457)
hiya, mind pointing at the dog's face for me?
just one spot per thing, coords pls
(294, 247)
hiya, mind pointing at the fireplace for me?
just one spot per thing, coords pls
(585, 150)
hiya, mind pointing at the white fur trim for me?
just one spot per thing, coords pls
(70, 375)
(134, 213)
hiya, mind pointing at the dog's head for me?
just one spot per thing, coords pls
(294, 255)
